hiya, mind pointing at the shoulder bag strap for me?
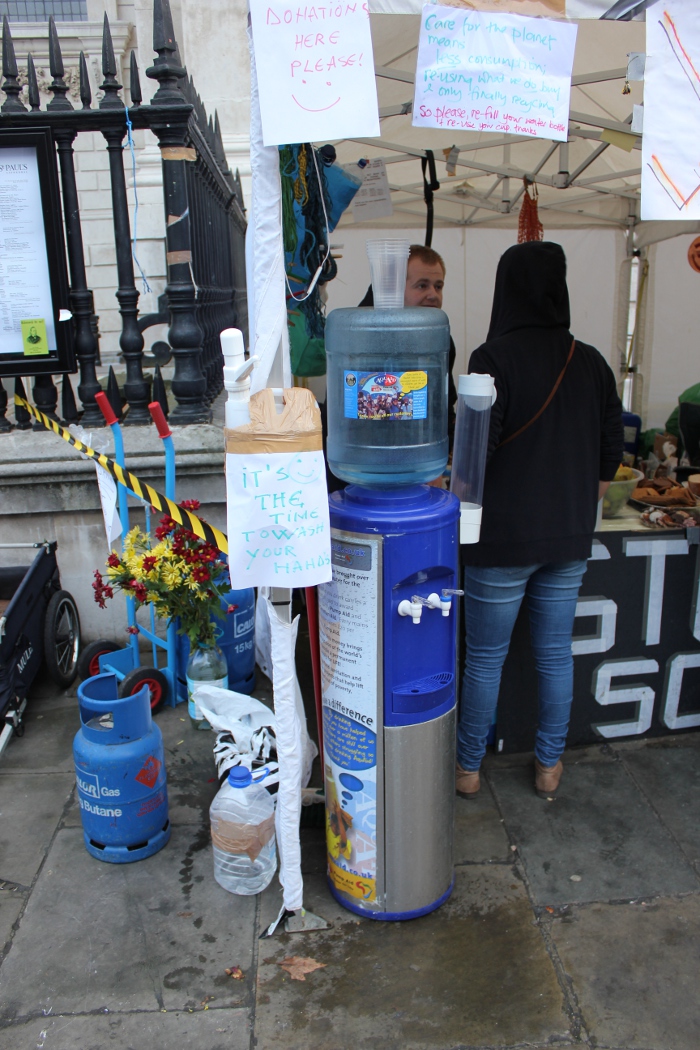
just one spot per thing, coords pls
(551, 395)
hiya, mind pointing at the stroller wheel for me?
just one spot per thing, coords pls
(150, 676)
(62, 638)
(88, 661)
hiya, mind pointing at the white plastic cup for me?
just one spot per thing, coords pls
(388, 261)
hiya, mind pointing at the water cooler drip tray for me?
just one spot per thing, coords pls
(424, 694)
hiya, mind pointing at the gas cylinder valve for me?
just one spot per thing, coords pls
(414, 608)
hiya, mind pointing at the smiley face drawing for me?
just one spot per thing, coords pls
(315, 109)
(306, 467)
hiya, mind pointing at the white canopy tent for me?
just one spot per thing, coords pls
(589, 197)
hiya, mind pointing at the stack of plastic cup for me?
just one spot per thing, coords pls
(387, 263)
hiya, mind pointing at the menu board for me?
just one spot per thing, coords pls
(26, 305)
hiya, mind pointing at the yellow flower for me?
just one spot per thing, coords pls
(170, 575)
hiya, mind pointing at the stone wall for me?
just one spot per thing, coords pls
(48, 491)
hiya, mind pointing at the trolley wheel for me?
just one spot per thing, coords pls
(88, 661)
(155, 680)
(62, 638)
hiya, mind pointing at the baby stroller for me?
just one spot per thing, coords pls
(38, 621)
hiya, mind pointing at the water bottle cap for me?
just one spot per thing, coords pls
(240, 777)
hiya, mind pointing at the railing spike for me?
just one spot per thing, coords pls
(113, 393)
(11, 86)
(163, 32)
(159, 392)
(9, 62)
(167, 68)
(55, 56)
(58, 86)
(85, 91)
(69, 409)
(134, 81)
(109, 64)
(110, 85)
(33, 86)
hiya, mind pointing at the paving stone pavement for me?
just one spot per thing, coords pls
(573, 923)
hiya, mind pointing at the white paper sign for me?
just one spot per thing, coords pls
(277, 516)
(315, 71)
(373, 199)
(108, 498)
(670, 145)
(488, 72)
(25, 290)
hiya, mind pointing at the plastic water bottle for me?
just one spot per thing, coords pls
(243, 834)
(387, 395)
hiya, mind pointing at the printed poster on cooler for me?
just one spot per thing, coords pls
(349, 642)
(315, 71)
(493, 72)
(670, 153)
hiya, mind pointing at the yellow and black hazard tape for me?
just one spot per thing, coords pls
(147, 493)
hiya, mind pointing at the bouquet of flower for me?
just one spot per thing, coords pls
(181, 576)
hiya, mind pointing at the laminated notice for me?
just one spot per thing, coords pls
(385, 395)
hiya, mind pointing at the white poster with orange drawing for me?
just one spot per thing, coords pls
(315, 70)
(671, 140)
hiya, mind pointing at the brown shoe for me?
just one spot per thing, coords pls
(547, 778)
(467, 782)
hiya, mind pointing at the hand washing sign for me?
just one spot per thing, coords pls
(315, 71)
(487, 72)
(278, 525)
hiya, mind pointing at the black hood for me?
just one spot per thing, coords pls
(530, 289)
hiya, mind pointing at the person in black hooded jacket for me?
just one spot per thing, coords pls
(546, 469)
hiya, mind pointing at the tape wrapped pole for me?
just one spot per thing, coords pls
(289, 755)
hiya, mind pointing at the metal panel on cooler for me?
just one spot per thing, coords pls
(419, 799)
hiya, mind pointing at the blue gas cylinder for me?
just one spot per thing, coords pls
(120, 773)
(235, 638)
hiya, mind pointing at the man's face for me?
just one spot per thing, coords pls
(424, 284)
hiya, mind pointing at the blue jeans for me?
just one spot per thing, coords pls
(492, 601)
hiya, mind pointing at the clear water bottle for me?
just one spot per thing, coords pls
(387, 395)
(243, 834)
(205, 664)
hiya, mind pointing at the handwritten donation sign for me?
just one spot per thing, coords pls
(493, 72)
(278, 524)
(315, 70)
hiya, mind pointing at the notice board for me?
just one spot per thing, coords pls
(36, 333)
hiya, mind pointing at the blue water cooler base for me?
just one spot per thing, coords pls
(389, 916)
(125, 855)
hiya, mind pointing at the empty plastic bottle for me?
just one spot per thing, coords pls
(243, 834)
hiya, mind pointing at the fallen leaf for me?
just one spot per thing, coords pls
(296, 966)
(550, 910)
(184, 914)
(234, 971)
(179, 742)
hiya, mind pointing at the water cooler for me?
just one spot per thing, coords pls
(388, 618)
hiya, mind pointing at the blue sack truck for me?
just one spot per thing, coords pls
(105, 655)
(38, 622)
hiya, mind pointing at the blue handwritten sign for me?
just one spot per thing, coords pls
(486, 72)
(277, 519)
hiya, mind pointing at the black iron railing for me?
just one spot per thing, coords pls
(204, 215)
